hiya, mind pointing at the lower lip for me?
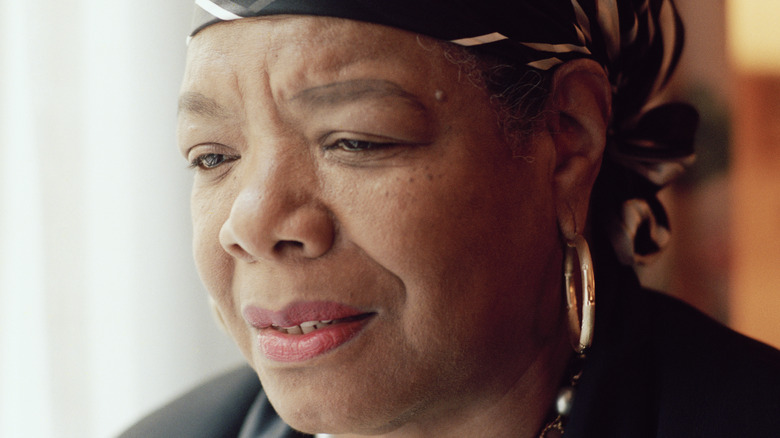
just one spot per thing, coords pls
(282, 347)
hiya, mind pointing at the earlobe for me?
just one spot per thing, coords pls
(580, 107)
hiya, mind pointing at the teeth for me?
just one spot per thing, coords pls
(295, 330)
(304, 328)
(308, 326)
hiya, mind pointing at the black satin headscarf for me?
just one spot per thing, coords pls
(638, 42)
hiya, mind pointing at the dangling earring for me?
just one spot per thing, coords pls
(581, 331)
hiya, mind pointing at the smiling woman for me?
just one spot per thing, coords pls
(383, 225)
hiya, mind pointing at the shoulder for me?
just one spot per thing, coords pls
(712, 380)
(662, 368)
(216, 408)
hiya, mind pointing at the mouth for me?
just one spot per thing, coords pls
(305, 330)
(307, 327)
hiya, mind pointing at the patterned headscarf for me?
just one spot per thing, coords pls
(638, 42)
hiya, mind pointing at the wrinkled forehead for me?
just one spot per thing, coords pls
(291, 46)
(312, 62)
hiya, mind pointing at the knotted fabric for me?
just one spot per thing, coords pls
(638, 42)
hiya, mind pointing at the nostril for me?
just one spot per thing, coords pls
(252, 233)
(240, 253)
(287, 245)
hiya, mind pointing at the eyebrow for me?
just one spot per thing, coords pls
(340, 93)
(197, 103)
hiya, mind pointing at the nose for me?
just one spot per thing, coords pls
(276, 216)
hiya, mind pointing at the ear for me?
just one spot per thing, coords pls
(579, 106)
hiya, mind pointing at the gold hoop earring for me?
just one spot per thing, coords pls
(581, 331)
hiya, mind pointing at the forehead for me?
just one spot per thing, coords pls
(292, 52)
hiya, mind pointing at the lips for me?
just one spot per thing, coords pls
(303, 331)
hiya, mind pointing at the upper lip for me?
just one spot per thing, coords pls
(298, 313)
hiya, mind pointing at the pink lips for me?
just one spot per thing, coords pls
(343, 323)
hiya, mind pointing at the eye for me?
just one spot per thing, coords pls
(358, 145)
(211, 160)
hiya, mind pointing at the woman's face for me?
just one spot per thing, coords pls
(352, 173)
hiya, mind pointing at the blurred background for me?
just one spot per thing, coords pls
(102, 315)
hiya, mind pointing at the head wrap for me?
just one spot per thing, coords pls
(638, 42)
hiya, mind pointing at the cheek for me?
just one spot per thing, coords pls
(207, 219)
(214, 265)
(386, 216)
(439, 219)
(462, 239)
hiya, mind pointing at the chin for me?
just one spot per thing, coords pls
(329, 416)
(337, 408)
